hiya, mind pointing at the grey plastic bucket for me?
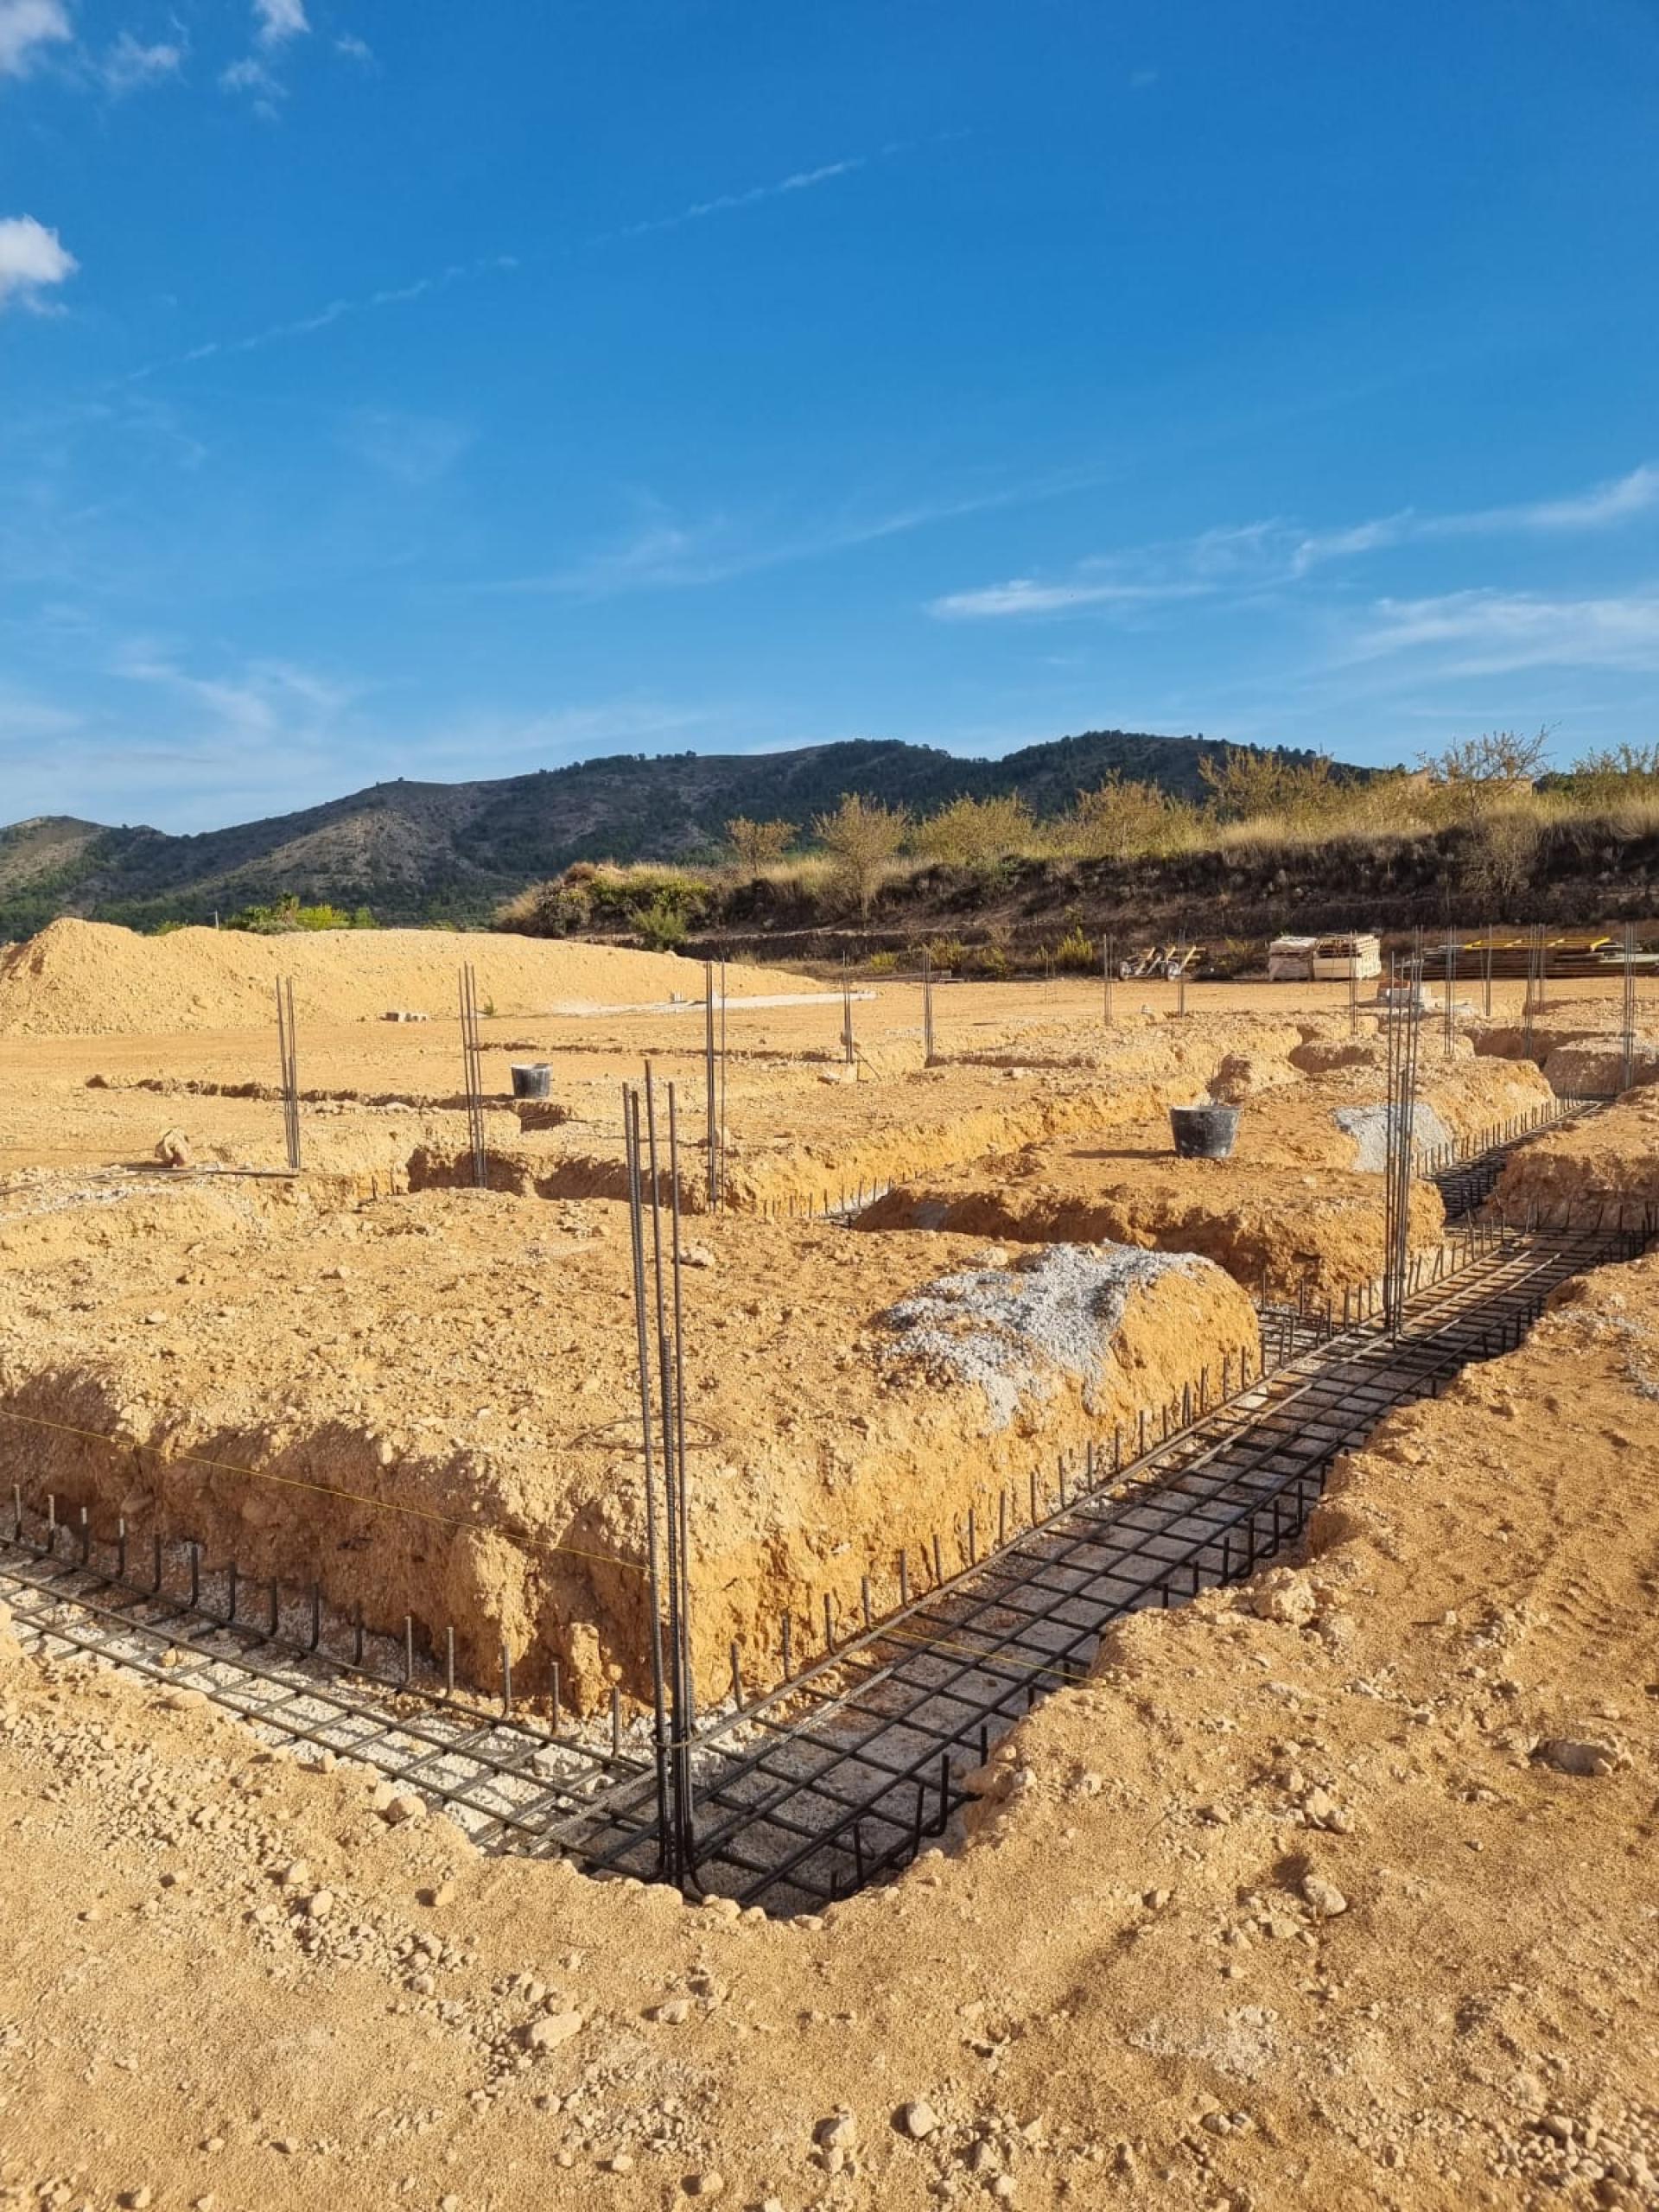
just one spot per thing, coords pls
(1203, 1132)
(532, 1079)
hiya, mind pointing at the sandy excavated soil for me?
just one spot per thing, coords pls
(93, 979)
(1298, 1208)
(468, 1361)
(1605, 1170)
(1334, 1891)
(1283, 1232)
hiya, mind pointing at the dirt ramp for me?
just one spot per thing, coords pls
(93, 979)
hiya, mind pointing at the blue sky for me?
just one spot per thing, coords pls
(441, 391)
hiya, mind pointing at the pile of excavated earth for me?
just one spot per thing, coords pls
(1335, 1887)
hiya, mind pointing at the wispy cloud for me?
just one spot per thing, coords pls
(1262, 555)
(129, 66)
(1491, 632)
(27, 28)
(667, 550)
(263, 698)
(277, 21)
(726, 203)
(411, 449)
(32, 259)
(1023, 595)
(303, 326)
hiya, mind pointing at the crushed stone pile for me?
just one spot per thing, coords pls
(1012, 1331)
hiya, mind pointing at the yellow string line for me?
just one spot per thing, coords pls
(298, 1482)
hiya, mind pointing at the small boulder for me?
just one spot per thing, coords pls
(552, 2029)
(1323, 1898)
(1573, 1755)
(1284, 1594)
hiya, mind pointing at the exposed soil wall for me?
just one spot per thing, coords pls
(1602, 1172)
(429, 1406)
(1277, 1232)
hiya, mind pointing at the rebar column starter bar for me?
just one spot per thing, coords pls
(288, 1051)
(473, 1073)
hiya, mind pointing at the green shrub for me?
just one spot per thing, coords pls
(1076, 951)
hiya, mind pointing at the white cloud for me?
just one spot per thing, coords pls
(129, 66)
(26, 27)
(1024, 595)
(304, 326)
(251, 75)
(354, 49)
(412, 449)
(263, 699)
(31, 258)
(1600, 508)
(277, 20)
(1489, 632)
(725, 202)
(1264, 555)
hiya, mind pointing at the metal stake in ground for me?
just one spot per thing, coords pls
(653, 1564)
(1534, 1000)
(927, 1007)
(1627, 1055)
(1450, 1037)
(1486, 974)
(473, 1068)
(715, 1164)
(848, 1048)
(1106, 979)
(1353, 983)
(1400, 1115)
(288, 1052)
(665, 1286)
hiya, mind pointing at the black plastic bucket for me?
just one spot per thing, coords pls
(1203, 1132)
(532, 1079)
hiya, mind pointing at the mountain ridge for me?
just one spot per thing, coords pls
(416, 851)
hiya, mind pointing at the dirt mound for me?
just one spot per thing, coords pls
(93, 979)
(1603, 1172)
(1594, 1067)
(1333, 1890)
(1276, 1231)
(429, 1406)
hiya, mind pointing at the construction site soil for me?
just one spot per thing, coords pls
(1335, 1887)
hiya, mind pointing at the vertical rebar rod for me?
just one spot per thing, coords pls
(288, 1052)
(1627, 1056)
(1400, 1115)
(1486, 974)
(708, 1077)
(671, 1378)
(1450, 1039)
(472, 1070)
(927, 1007)
(653, 1561)
(1106, 978)
(1353, 983)
(849, 1048)
(1529, 1004)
